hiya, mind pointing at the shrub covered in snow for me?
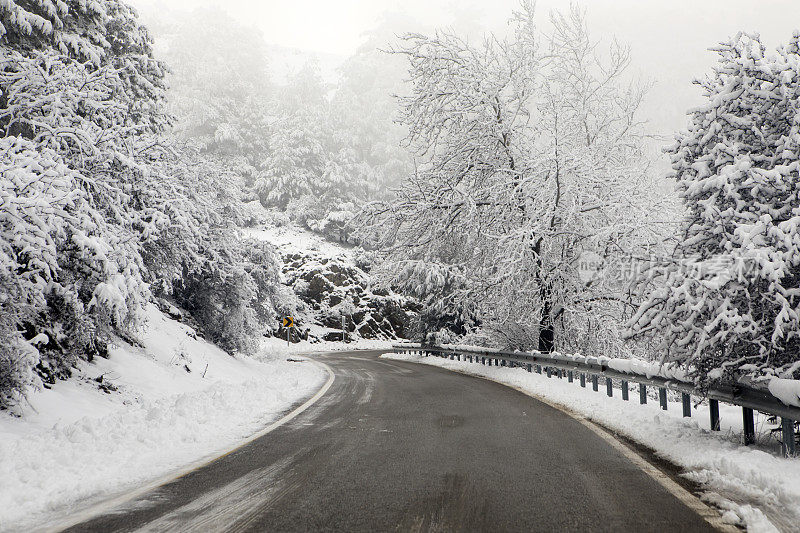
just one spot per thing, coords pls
(232, 291)
(729, 299)
(65, 273)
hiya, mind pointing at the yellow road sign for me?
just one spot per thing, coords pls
(288, 321)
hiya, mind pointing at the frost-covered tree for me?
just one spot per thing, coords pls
(319, 168)
(728, 300)
(219, 87)
(528, 156)
(100, 207)
(97, 33)
(229, 285)
(79, 105)
(364, 112)
(219, 95)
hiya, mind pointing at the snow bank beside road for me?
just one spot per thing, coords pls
(756, 489)
(76, 444)
(277, 346)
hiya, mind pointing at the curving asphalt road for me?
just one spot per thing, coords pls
(397, 446)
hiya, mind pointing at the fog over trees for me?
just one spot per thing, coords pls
(504, 189)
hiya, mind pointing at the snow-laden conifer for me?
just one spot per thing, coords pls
(729, 297)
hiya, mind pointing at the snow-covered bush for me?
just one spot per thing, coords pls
(217, 293)
(98, 207)
(58, 265)
(261, 263)
(439, 288)
(729, 298)
(80, 98)
(232, 289)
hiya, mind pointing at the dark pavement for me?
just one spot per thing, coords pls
(398, 446)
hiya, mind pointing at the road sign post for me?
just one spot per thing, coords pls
(288, 323)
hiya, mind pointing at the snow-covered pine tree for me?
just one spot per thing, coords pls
(317, 170)
(728, 300)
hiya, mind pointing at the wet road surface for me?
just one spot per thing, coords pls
(399, 446)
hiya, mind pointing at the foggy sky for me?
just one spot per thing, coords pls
(669, 39)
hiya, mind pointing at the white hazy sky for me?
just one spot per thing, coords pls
(668, 38)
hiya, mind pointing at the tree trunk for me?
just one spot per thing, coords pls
(547, 333)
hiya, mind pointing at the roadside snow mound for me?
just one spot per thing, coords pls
(136, 416)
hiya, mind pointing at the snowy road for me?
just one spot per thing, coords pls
(400, 446)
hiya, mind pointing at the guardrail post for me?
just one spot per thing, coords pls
(749, 425)
(549, 372)
(530, 367)
(560, 373)
(609, 387)
(642, 393)
(583, 380)
(687, 405)
(662, 398)
(713, 410)
(624, 390)
(594, 382)
(569, 376)
(787, 428)
(538, 369)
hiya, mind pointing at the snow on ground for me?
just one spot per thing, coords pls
(76, 445)
(277, 346)
(289, 238)
(753, 486)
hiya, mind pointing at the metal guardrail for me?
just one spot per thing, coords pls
(748, 397)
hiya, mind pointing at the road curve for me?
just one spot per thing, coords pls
(398, 446)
